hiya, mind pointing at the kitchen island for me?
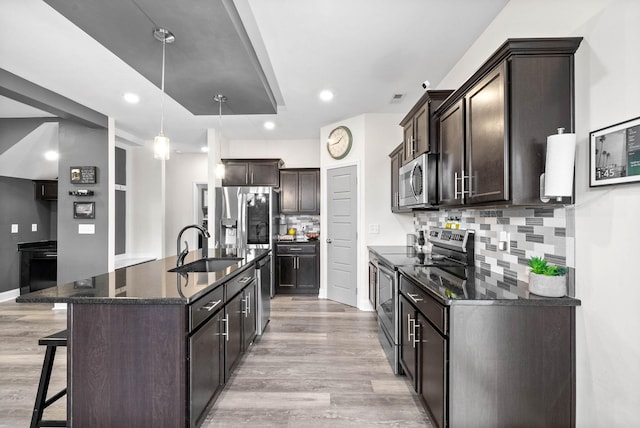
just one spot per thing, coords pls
(153, 348)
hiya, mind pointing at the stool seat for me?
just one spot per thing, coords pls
(42, 402)
(55, 339)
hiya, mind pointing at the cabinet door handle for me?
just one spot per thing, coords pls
(248, 304)
(211, 304)
(252, 178)
(410, 330)
(225, 320)
(414, 297)
(244, 309)
(415, 336)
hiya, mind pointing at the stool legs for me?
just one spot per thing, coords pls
(41, 395)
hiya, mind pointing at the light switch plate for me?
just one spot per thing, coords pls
(34, 227)
(86, 229)
(14, 228)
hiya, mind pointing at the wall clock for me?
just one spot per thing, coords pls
(339, 142)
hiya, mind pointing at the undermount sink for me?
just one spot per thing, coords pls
(207, 265)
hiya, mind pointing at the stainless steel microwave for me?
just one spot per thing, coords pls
(417, 182)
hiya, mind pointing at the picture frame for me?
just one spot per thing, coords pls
(84, 210)
(614, 154)
(82, 174)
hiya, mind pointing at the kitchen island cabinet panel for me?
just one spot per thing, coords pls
(107, 384)
(232, 325)
(205, 374)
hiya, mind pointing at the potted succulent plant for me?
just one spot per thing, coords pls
(546, 279)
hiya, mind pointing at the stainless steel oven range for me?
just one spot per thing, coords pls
(450, 248)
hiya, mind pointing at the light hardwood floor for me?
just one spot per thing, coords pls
(319, 364)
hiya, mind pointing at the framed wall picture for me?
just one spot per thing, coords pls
(614, 155)
(84, 210)
(82, 174)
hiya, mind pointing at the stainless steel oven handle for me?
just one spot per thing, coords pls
(415, 297)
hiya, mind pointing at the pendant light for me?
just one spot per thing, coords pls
(161, 147)
(220, 166)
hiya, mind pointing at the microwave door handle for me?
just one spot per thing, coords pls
(413, 190)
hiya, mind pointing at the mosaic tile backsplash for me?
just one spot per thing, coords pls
(531, 232)
(303, 223)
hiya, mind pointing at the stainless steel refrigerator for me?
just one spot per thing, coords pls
(246, 218)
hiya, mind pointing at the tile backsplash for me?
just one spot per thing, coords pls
(303, 223)
(540, 232)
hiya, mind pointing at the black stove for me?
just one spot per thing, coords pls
(449, 262)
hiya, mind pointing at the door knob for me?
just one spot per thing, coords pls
(328, 240)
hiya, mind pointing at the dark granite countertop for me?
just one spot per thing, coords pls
(147, 283)
(480, 288)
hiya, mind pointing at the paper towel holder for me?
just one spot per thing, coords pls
(557, 179)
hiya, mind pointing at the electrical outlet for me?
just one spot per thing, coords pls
(34, 227)
(14, 228)
(374, 228)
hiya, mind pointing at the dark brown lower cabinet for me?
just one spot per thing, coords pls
(297, 268)
(505, 364)
(249, 312)
(232, 325)
(206, 349)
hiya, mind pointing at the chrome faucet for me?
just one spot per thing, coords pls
(205, 243)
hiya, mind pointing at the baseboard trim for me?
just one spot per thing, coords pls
(9, 295)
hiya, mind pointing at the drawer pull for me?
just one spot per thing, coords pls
(245, 279)
(295, 249)
(415, 298)
(212, 304)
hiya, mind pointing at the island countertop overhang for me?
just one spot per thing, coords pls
(148, 283)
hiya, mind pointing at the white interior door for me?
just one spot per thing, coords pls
(342, 257)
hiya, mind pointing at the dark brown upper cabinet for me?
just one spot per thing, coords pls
(252, 172)
(300, 191)
(493, 130)
(397, 156)
(46, 190)
(419, 125)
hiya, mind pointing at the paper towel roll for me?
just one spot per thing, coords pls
(561, 152)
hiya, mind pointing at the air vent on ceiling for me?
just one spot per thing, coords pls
(396, 98)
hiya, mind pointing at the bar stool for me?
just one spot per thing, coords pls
(51, 342)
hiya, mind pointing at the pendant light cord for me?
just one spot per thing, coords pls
(164, 44)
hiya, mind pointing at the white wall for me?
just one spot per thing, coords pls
(145, 217)
(374, 137)
(607, 89)
(294, 153)
(183, 172)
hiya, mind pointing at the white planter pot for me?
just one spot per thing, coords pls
(547, 286)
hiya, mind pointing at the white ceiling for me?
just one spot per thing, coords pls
(365, 51)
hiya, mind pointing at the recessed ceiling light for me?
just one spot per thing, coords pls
(131, 98)
(204, 149)
(326, 95)
(269, 125)
(51, 155)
